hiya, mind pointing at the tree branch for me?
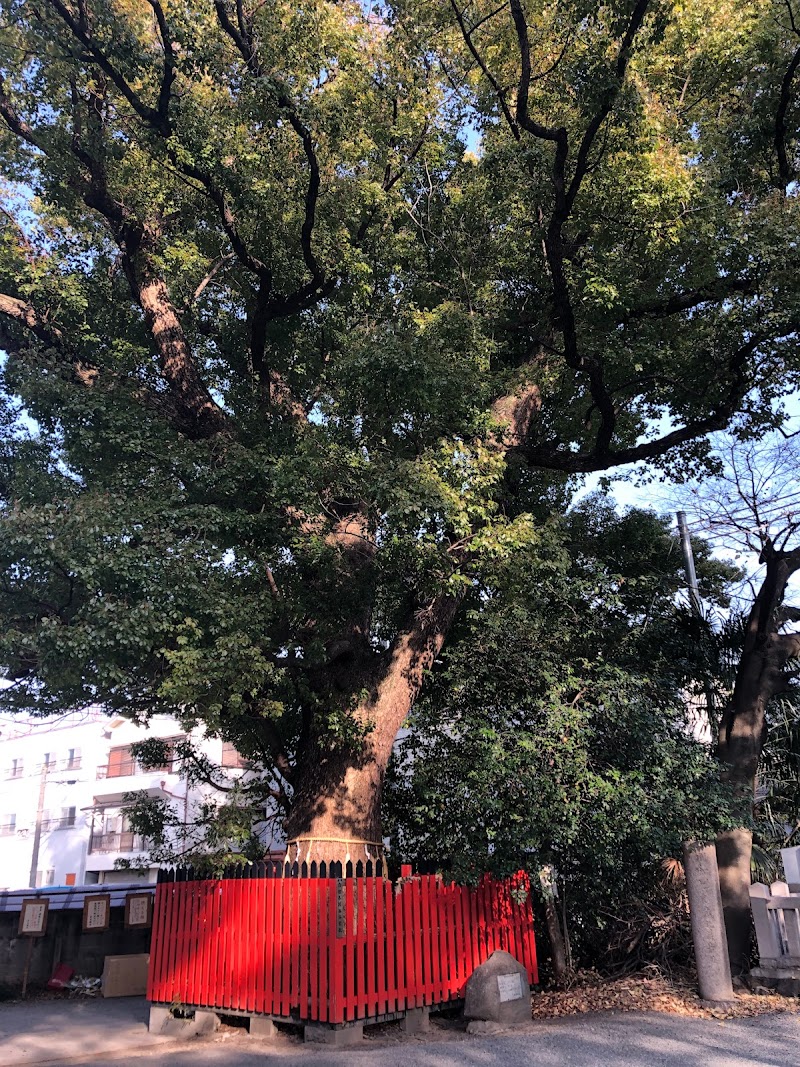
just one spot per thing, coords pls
(241, 36)
(178, 367)
(26, 315)
(556, 457)
(711, 293)
(786, 171)
(15, 123)
(168, 76)
(496, 89)
(79, 28)
(523, 119)
(620, 70)
(209, 277)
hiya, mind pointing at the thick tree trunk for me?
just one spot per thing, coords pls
(336, 808)
(336, 811)
(733, 860)
(740, 743)
(743, 729)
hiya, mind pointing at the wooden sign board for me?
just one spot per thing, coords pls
(139, 911)
(33, 917)
(96, 913)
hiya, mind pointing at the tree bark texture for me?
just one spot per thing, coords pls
(558, 952)
(336, 808)
(733, 861)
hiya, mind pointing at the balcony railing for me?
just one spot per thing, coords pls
(63, 823)
(124, 841)
(130, 767)
(120, 769)
(55, 765)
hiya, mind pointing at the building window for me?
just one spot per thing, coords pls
(44, 878)
(114, 834)
(65, 819)
(231, 757)
(73, 760)
(58, 821)
(8, 824)
(172, 759)
(16, 768)
(120, 763)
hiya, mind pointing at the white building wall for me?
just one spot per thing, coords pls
(71, 846)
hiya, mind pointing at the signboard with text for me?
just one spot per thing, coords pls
(139, 910)
(33, 917)
(96, 913)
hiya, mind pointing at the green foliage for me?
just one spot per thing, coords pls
(275, 278)
(775, 812)
(556, 732)
(225, 824)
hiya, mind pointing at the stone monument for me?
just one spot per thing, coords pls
(498, 992)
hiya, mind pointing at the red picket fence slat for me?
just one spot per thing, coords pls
(323, 998)
(327, 949)
(391, 943)
(337, 1011)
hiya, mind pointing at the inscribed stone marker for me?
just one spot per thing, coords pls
(509, 986)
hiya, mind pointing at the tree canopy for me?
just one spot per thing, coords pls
(317, 309)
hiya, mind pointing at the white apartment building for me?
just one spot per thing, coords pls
(62, 782)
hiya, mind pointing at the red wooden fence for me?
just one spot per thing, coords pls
(330, 950)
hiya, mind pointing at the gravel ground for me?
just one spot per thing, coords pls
(682, 1032)
(597, 1040)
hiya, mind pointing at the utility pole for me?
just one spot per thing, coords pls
(37, 833)
(688, 562)
(694, 596)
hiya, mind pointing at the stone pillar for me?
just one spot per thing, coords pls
(162, 1021)
(708, 924)
(159, 1016)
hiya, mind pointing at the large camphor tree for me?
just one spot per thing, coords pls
(311, 310)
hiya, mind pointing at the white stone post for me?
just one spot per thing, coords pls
(708, 924)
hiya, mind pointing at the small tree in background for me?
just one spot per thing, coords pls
(557, 731)
(231, 818)
(753, 508)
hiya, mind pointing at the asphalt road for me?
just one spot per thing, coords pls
(602, 1040)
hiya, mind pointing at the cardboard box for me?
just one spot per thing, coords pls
(125, 976)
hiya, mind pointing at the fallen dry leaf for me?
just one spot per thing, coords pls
(648, 992)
